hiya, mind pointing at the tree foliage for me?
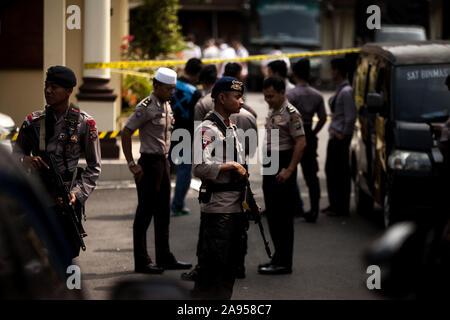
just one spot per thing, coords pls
(156, 29)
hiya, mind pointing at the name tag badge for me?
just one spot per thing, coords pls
(278, 119)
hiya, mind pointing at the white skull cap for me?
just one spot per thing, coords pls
(166, 75)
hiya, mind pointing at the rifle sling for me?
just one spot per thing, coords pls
(214, 118)
(42, 143)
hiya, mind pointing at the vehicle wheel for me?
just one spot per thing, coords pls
(390, 209)
(363, 202)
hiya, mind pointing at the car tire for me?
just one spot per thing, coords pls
(363, 202)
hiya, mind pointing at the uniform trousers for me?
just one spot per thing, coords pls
(222, 238)
(337, 169)
(310, 167)
(153, 193)
(70, 234)
(280, 201)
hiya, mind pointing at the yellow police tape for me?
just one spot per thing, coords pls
(160, 63)
(133, 73)
(101, 135)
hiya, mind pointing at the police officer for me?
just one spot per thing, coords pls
(308, 102)
(153, 117)
(279, 189)
(65, 132)
(243, 120)
(278, 68)
(223, 223)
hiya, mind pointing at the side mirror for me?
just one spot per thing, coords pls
(375, 102)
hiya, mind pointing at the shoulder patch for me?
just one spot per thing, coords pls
(93, 134)
(28, 120)
(207, 137)
(295, 120)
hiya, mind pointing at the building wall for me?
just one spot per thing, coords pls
(22, 58)
(21, 87)
(21, 91)
(337, 32)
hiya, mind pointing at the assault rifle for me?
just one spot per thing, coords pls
(252, 209)
(64, 192)
(61, 189)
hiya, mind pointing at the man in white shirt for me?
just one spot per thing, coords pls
(241, 52)
(211, 50)
(192, 50)
(274, 52)
(226, 52)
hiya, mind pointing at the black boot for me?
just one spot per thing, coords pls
(311, 216)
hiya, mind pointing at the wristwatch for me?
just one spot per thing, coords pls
(131, 164)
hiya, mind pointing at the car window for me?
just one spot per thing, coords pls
(420, 92)
(400, 34)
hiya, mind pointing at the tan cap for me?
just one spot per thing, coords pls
(166, 75)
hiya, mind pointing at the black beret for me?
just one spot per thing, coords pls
(62, 76)
(227, 84)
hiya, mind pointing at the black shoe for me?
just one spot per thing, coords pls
(337, 213)
(262, 265)
(190, 276)
(311, 216)
(176, 265)
(149, 268)
(327, 209)
(274, 269)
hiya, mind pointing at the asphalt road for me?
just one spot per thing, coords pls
(328, 260)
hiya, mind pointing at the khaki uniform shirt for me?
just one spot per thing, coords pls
(85, 142)
(244, 120)
(289, 123)
(308, 102)
(154, 120)
(211, 139)
(203, 107)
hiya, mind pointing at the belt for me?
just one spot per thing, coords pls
(225, 187)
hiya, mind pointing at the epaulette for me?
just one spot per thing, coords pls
(291, 109)
(146, 102)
